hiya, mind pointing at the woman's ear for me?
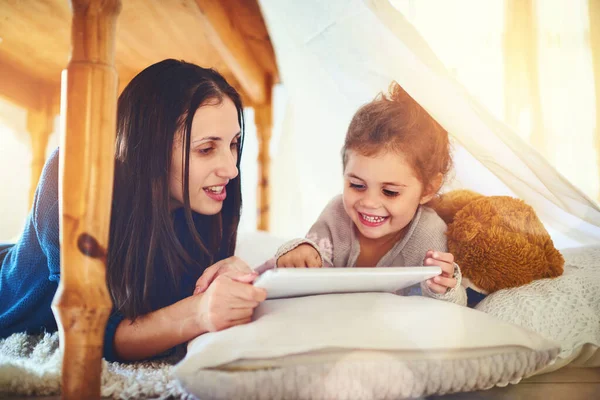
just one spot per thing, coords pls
(432, 188)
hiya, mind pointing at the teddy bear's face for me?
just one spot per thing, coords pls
(500, 243)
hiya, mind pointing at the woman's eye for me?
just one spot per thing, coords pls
(357, 186)
(235, 145)
(390, 193)
(205, 151)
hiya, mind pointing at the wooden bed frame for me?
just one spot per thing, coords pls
(235, 37)
(232, 31)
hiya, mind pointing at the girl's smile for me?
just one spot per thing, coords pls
(371, 220)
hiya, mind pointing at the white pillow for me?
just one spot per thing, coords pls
(364, 345)
(565, 309)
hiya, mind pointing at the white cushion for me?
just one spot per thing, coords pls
(565, 309)
(368, 345)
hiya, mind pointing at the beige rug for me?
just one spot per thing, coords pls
(30, 366)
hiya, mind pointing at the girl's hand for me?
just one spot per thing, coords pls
(226, 303)
(446, 281)
(234, 267)
(303, 256)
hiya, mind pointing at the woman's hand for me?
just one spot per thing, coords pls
(234, 267)
(303, 256)
(446, 281)
(226, 303)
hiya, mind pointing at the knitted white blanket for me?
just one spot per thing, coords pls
(31, 364)
(565, 309)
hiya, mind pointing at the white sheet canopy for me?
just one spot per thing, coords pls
(336, 55)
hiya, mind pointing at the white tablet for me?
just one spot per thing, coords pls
(294, 282)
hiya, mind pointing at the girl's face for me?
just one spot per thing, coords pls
(381, 193)
(214, 143)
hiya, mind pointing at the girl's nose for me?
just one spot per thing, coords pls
(370, 199)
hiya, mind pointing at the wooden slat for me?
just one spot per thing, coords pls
(40, 124)
(20, 88)
(35, 40)
(263, 118)
(89, 100)
(233, 49)
(152, 30)
(248, 19)
(36, 37)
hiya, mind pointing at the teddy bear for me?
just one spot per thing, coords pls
(498, 241)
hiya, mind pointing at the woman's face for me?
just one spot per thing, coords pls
(214, 143)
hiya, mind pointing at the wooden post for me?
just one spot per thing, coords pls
(40, 124)
(263, 117)
(88, 110)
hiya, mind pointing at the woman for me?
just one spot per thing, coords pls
(175, 212)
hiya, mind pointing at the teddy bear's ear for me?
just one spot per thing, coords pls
(448, 204)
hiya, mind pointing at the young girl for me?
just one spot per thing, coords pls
(175, 211)
(395, 158)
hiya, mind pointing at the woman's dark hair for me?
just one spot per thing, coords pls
(151, 247)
